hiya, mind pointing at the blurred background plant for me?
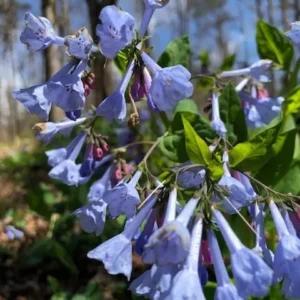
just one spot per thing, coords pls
(50, 261)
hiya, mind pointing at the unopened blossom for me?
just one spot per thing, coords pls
(260, 71)
(225, 289)
(116, 253)
(186, 283)
(92, 216)
(39, 33)
(99, 187)
(288, 222)
(252, 275)
(123, 198)
(216, 122)
(170, 243)
(79, 45)
(169, 85)
(287, 255)
(294, 33)
(67, 171)
(13, 233)
(260, 112)
(116, 30)
(88, 165)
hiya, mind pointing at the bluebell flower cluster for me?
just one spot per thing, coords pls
(172, 224)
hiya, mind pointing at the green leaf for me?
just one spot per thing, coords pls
(177, 53)
(228, 63)
(173, 147)
(121, 61)
(196, 147)
(253, 154)
(272, 44)
(186, 105)
(291, 103)
(232, 114)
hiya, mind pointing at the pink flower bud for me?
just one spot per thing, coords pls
(127, 168)
(97, 153)
(118, 174)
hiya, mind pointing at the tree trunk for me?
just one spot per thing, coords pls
(51, 57)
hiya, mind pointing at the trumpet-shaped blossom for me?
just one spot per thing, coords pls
(123, 198)
(116, 30)
(154, 283)
(188, 276)
(294, 33)
(45, 132)
(260, 71)
(116, 253)
(236, 196)
(260, 112)
(39, 33)
(261, 245)
(252, 275)
(287, 255)
(66, 90)
(92, 216)
(169, 85)
(67, 171)
(225, 289)
(88, 165)
(13, 233)
(288, 222)
(114, 106)
(79, 45)
(216, 122)
(170, 243)
(99, 187)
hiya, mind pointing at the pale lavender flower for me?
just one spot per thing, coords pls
(67, 171)
(116, 30)
(79, 45)
(188, 276)
(99, 187)
(287, 255)
(123, 198)
(216, 122)
(225, 289)
(294, 33)
(116, 253)
(13, 233)
(169, 85)
(92, 216)
(252, 275)
(170, 243)
(39, 33)
(288, 222)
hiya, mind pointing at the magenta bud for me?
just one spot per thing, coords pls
(105, 148)
(128, 168)
(97, 153)
(118, 174)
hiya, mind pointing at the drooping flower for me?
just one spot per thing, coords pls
(123, 198)
(39, 33)
(261, 245)
(216, 122)
(252, 275)
(66, 90)
(79, 45)
(45, 132)
(116, 253)
(235, 195)
(260, 112)
(114, 106)
(67, 171)
(287, 255)
(170, 243)
(169, 85)
(288, 222)
(88, 165)
(92, 216)
(294, 33)
(116, 30)
(188, 276)
(99, 187)
(260, 71)
(225, 289)
(13, 233)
